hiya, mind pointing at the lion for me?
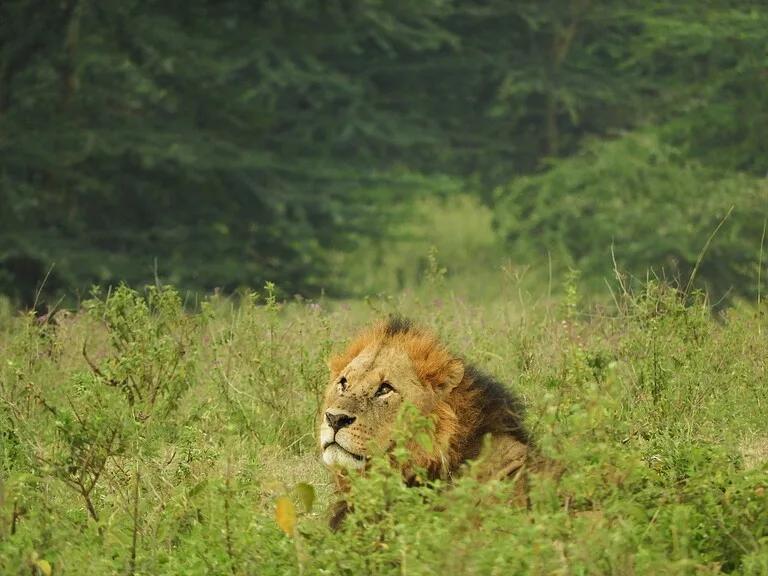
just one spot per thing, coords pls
(394, 362)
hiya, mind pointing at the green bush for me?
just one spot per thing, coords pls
(638, 203)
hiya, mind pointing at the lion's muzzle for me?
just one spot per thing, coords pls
(335, 451)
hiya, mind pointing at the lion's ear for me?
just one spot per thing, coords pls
(450, 376)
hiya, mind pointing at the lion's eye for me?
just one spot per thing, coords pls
(343, 383)
(385, 388)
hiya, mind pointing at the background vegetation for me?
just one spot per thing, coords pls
(225, 144)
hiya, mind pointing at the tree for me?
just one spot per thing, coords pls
(216, 144)
(634, 202)
(228, 143)
(695, 75)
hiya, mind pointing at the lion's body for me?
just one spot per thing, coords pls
(394, 362)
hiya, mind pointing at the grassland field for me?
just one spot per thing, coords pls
(139, 438)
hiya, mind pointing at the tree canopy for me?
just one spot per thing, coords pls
(218, 144)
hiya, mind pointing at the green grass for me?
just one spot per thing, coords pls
(166, 451)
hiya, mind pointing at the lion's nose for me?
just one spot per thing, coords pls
(338, 421)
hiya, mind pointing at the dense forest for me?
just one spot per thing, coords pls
(224, 144)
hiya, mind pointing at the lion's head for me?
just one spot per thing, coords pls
(384, 368)
(393, 363)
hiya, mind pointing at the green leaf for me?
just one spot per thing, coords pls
(424, 440)
(197, 488)
(306, 494)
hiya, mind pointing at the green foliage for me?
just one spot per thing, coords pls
(634, 203)
(218, 146)
(152, 350)
(685, 79)
(709, 61)
(654, 412)
(213, 146)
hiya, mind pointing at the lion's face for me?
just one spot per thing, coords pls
(362, 403)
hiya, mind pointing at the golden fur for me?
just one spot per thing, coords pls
(394, 362)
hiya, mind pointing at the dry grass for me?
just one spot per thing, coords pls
(755, 451)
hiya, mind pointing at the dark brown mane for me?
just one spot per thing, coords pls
(504, 411)
(398, 325)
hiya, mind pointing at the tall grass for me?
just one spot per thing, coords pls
(138, 438)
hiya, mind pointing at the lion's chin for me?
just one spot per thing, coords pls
(334, 456)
